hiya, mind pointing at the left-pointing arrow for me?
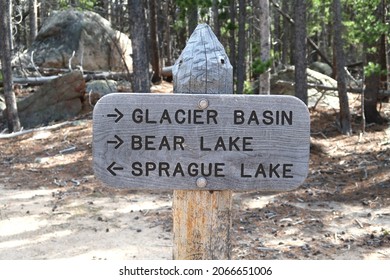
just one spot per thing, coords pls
(118, 115)
(112, 167)
(118, 141)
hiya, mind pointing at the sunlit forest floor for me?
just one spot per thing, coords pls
(52, 207)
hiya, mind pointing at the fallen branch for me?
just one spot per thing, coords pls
(167, 71)
(359, 223)
(88, 77)
(328, 88)
(44, 128)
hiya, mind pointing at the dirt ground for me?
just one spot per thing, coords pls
(52, 207)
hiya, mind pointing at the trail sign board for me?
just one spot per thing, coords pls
(201, 141)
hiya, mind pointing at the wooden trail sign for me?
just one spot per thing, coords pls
(202, 143)
(193, 141)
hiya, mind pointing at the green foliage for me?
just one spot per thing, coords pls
(185, 5)
(81, 4)
(190, 3)
(319, 12)
(259, 66)
(248, 87)
(363, 25)
(373, 69)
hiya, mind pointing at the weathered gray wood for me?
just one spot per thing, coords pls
(203, 67)
(202, 219)
(87, 77)
(272, 141)
(268, 148)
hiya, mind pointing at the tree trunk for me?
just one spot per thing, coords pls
(265, 46)
(300, 51)
(106, 10)
(156, 77)
(345, 116)
(372, 85)
(232, 38)
(6, 53)
(286, 33)
(241, 47)
(217, 29)
(373, 81)
(33, 20)
(277, 32)
(167, 34)
(138, 33)
(383, 50)
(192, 13)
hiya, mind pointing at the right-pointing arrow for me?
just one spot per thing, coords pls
(118, 115)
(111, 168)
(118, 141)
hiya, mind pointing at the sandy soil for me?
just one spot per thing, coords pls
(52, 207)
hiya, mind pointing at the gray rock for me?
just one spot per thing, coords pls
(321, 67)
(95, 44)
(98, 88)
(57, 100)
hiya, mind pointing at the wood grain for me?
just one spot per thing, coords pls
(270, 141)
(201, 225)
(203, 123)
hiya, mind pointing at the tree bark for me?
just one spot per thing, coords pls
(217, 28)
(33, 20)
(138, 33)
(286, 35)
(300, 51)
(265, 46)
(241, 47)
(345, 116)
(6, 53)
(232, 37)
(167, 34)
(156, 77)
(372, 84)
(192, 13)
(277, 32)
(373, 81)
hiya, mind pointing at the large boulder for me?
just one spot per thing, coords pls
(321, 67)
(96, 46)
(57, 100)
(283, 82)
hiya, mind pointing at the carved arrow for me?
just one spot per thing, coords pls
(118, 141)
(111, 168)
(118, 115)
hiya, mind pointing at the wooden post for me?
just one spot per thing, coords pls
(202, 219)
(202, 145)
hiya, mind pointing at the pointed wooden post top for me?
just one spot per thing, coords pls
(203, 66)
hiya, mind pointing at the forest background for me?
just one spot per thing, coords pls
(261, 37)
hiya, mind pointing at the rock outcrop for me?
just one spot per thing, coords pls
(82, 36)
(57, 100)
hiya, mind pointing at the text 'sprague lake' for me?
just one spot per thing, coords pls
(237, 142)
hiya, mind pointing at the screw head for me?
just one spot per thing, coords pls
(201, 182)
(203, 103)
